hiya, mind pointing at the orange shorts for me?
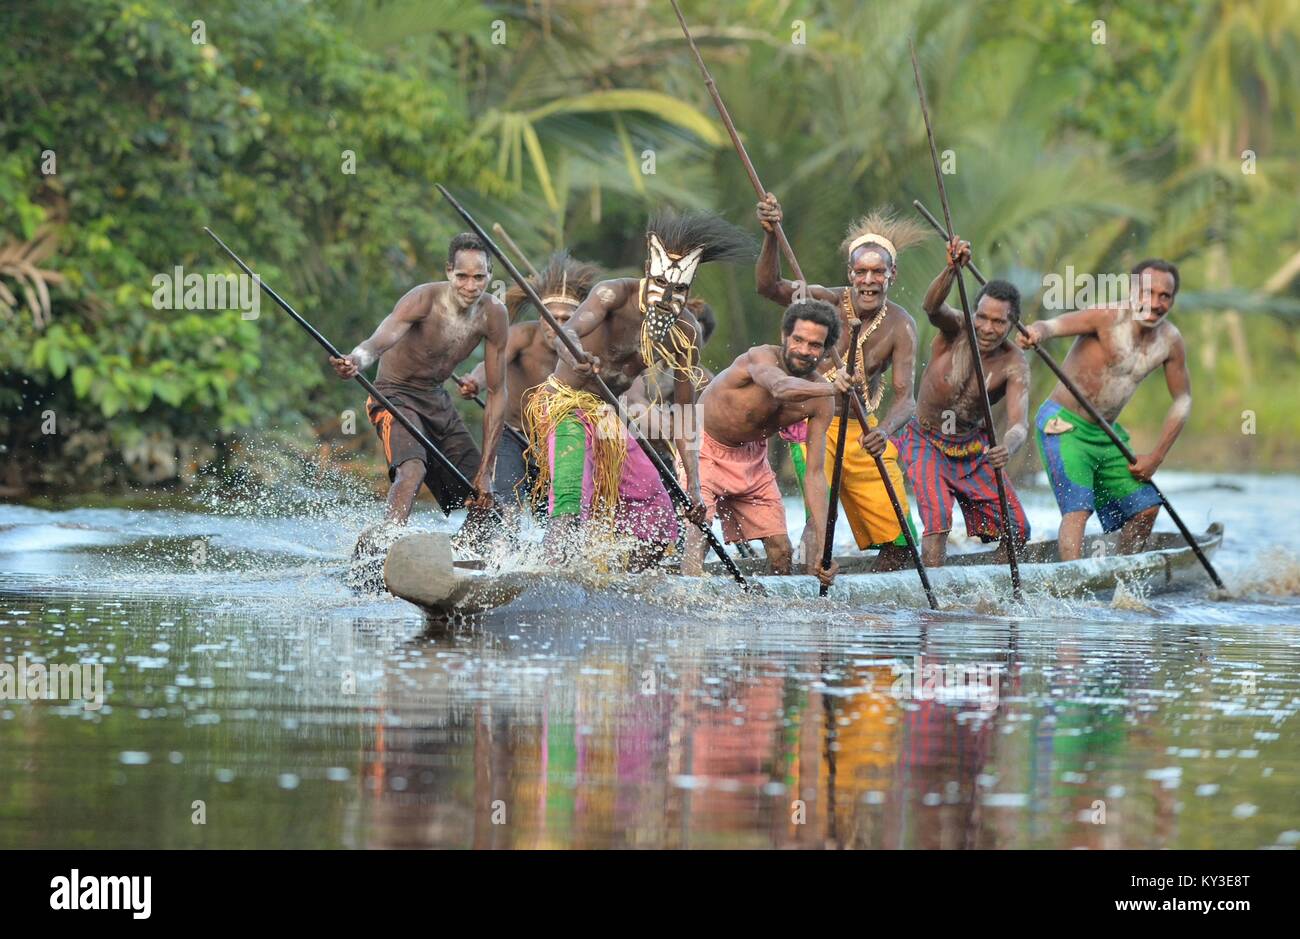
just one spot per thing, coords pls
(738, 484)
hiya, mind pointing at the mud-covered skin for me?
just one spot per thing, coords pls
(431, 331)
(1116, 349)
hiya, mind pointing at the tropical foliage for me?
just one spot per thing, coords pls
(1082, 137)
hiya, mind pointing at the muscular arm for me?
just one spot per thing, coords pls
(412, 308)
(767, 273)
(1078, 323)
(947, 320)
(494, 368)
(606, 296)
(815, 493)
(1017, 398)
(1180, 389)
(785, 387)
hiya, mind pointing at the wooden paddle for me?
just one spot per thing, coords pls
(779, 232)
(1008, 537)
(1093, 413)
(860, 412)
(668, 476)
(837, 470)
(375, 393)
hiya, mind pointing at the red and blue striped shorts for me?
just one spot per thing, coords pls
(938, 480)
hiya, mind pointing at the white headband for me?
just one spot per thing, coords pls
(870, 238)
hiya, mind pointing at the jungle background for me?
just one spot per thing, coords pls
(1085, 135)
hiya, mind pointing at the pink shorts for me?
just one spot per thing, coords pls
(738, 484)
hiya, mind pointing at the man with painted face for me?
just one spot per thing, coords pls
(945, 446)
(886, 342)
(763, 390)
(590, 470)
(434, 328)
(1118, 347)
(563, 284)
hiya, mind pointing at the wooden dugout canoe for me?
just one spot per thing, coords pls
(420, 568)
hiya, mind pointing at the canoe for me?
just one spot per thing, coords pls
(420, 568)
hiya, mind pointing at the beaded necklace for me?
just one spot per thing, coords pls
(859, 362)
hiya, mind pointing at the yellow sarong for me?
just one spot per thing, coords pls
(862, 494)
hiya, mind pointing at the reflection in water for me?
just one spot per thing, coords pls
(299, 715)
(662, 745)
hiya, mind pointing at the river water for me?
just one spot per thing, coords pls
(251, 700)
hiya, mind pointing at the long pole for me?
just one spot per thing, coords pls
(1008, 537)
(1096, 416)
(779, 233)
(837, 472)
(374, 392)
(860, 412)
(669, 478)
(510, 243)
(731, 131)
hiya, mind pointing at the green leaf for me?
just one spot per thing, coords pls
(670, 109)
(82, 376)
(169, 391)
(111, 402)
(539, 166)
(58, 362)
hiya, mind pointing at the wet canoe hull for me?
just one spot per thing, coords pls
(420, 569)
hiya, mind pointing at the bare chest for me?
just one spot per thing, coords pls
(534, 363)
(441, 340)
(1129, 355)
(622, 361)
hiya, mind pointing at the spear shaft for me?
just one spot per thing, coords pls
(1008, 538)
(1096, 416)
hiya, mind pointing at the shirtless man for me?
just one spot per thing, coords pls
(887, 341)
(765, 389)
(1118, 346)
(589, 466)
(530, 358)
(946, 445)
(431, 331)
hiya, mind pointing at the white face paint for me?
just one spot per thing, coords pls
(667, 276)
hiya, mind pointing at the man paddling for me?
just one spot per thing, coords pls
(945, 446)
(563, 283)
(763, 390)
(590, 470)
(431, 330)
(649, 399)
(886, 342)
(1118, 347)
